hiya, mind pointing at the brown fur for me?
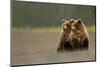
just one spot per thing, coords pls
(64, 35)
(79, 37)
(73, 35)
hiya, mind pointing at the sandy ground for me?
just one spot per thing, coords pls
(39, 48)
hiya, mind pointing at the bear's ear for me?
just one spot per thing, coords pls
(71, 20)
(63, 20)
(79, 21)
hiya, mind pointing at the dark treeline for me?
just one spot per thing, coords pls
(36, 14)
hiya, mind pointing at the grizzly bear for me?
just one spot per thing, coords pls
(79, 37)
(64, 42)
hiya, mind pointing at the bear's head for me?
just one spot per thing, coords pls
(66, 25)
(77, 25)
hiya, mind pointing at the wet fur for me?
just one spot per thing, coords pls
(71, 41)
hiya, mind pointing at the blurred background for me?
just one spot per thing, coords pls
(32, 15)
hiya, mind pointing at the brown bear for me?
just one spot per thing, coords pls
(79, 37)
(64, 35)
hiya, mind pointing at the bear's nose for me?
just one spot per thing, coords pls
(65, 27)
